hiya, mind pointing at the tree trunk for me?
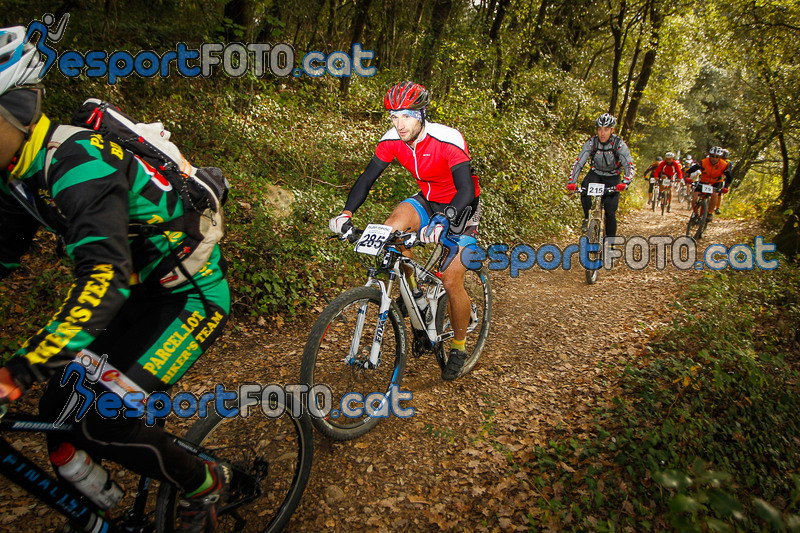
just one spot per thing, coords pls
(268, 31)
(240, 13)
(536, 38)
(790, 196)
(359, 21)
(494, 32)
(314, 39)
(440, 12)
(656, 20)
(788, 240)
(776, 113)
(490, 11)
(616, 32)
(634, 60)
(755, 144)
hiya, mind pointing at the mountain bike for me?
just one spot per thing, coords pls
(270, 459)
(680, 193)
(698, 220)
(595, 229)
(656, 193)
(663, 189)
(358, 345)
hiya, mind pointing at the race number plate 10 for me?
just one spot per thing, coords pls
(707, 189)
(373, 238)
(596, 189)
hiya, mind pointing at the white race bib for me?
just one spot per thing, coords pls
(595, 189)
(372, 239)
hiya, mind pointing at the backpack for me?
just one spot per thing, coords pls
(614, 148)
(203, 191)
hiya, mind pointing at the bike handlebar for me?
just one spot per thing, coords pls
(607, 192)
(402, 238)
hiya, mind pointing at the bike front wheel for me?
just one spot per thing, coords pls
(337, 355)
(271, 460)
(479, 290)
(702, 217)
(593, 233)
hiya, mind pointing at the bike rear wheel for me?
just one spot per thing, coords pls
(479, 289)
(271, 461)
(326, 359)
(593, 234)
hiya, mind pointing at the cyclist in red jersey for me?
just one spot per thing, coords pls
(650, 170)
(446, 209)
(671, 169)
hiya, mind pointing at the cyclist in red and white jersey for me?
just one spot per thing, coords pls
(650, 170)
(447, 208)
(671, 169)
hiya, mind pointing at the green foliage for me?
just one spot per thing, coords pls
(754, 198)
(704, 436)
(703, 502)
(724, 388)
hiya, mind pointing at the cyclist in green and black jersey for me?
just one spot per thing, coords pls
(123, 301)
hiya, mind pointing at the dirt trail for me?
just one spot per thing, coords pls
(552, 341)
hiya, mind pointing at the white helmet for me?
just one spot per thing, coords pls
(606, 120)
(669, 155)
(20, 62)
(716, 150)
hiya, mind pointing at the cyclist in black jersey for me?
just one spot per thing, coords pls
(88, 190)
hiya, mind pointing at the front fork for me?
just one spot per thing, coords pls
(383, 314)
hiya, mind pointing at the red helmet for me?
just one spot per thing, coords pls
(406, 95)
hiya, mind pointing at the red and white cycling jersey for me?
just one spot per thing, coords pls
(670, 170)
(430, 162)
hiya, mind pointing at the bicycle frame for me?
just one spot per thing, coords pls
(64, 498)
(60, 496)
(415, 314)
(596, 211)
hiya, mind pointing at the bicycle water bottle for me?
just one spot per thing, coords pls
(87, 476)
(422, 304)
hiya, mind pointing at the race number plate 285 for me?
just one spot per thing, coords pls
(596, 189)
(372, 239)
